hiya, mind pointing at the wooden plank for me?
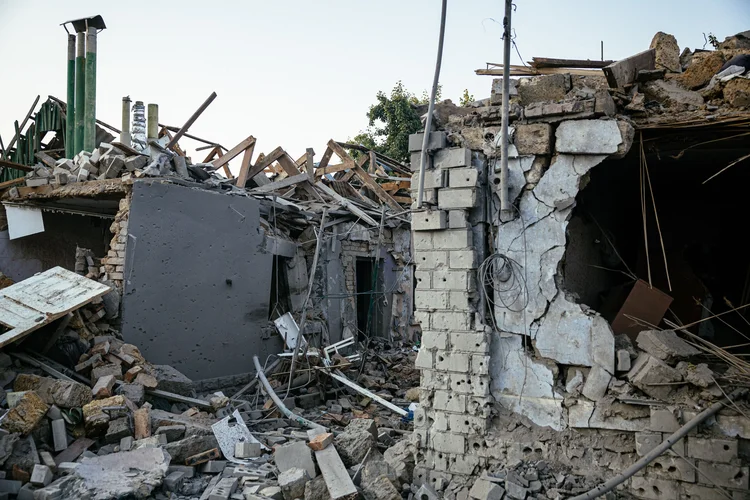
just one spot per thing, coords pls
(289, 181)
(290, 168)
(74, 450)
(625, 71)
(529, 71)
(332, 169)
(406, 200)
(265, 161)
(346, 204)
(191, 120)
(373, 163)
(550, 62)
(212, 154)
(309, 162)
(247, 157)
(17, 166)
(364, 177)
(229, 155)
(46, 159)
(12, 182)
(326, 158)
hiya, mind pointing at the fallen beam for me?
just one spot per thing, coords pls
(341, 378)
(191, 120)
(625, 71)
(179, 398)
(289, 181)
(550, 62)
(346, 204)
(235, 151)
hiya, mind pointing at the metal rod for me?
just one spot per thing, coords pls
(254, 381)
(125, 133)
(70, 113)
(80, 91)
(152, 123)
(191, 120)
(310, 281)
(431, 107)
(279, 404)
(650, 456)
(89, 123)
(341, 378)
(504, 201)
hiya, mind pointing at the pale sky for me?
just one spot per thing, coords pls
(297, 73)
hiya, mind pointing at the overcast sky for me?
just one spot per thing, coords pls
(296, 73)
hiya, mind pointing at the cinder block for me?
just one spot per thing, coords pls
(449, 443)
(480, 364)
(431, 260)
(431, 220)
(452, 239)
(463, 259)
(462, 177)
(445, 401)
(596, 384)
(475, 385)
(729, 476)
(712, 450)
(458, 219)
(424, 279)
(424, 359)
(452, 158)
(423, 318)
(654, 489)
(437, 140)
(646, 441)
(452, 320)
(466, 424)
(450, 280)
(416, 159)
(433, 179)
(422, 241)
(429, 198)
(452, 361)
(438, 421)
(663, 420)
(434, 340)
(470, 342)
(431, 299)
(671, 467)
(59, 435)
(459, 299)
(452, 198)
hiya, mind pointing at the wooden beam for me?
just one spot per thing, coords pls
(309, 162)
(235, 151)
(373, 163)
(46, 159)
(271, 157)
(247, 157)
(346, 204)
(550, 62)
(332, 169)
(529, 71)
(191, 120)
(625, 71)
(326, 158)
(284, 183)
(212, 154)
(18, 166)
(12, 182)
(364, 177)
(406, 200)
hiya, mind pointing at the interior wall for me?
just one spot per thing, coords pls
(197, 280)
(56, 246)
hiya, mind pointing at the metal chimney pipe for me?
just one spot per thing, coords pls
(125, 127)
(70, 112)
(80, 90)
(89, 124)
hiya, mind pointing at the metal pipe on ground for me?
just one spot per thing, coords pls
(80, 97)
(279, 404)
(664, 446)
(431, 107)
(89, 123)
(70, 113)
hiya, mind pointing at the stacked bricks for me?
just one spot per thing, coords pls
(114, 263)
(454, 356)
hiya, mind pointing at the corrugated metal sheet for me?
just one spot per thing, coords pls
(41, 299)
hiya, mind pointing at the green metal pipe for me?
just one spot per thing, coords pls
(80, 91)
(89, 119)
(70, 112)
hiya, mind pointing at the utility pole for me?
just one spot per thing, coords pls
(505, 212)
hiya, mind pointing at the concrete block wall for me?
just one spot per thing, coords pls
(455, 401)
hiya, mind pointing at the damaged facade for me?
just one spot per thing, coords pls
(548, 333)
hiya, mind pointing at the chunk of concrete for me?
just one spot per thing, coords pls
(316, 489)
(109, 369)
(63, 393)
(647, 371)
(292, 483)
(173, 433)
(103, 387)
(41, 475)
(667, 52)
(596, 384)
(170, 379)
(26, 415)
(117, 429)
(190, 446)
(588, 137)
(485, 490)
(665, 345)
(381, 488)
(623, 360)
(295, 455)
(533, 139)
(174, 480)
(247, 449)
(133, 392)
(543, 88)
(437, 140)
(59, 435)
(358, 437)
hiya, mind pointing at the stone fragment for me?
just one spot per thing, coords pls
(699, 375)
(672, 95)
(192, 445)
(358, 437)
(401, 458)
(146, 380)
(117, 429)
(316, 489)
(596, 384)
(103, 387)
(134, 163)
(623, 360)
(515, 491)
(109, 369)
(665, 345)
(380, 488)
(41, 475)
(132, 373)
(272, 492)
(667, 52)
(375, 466)
(12, 398)
(627, 132)
(543, 88)
(174, 480)
(703, 66)
(588, 137)
(170, 379)
(94, 418)
(737, 92)
(533, 139)
(648, 370)
(133, 392)
(292, 483)
(173, 433)
(604, 104)
(295, 455)
(26, 415)
(142, 422)
(485, 490)
(63, 393)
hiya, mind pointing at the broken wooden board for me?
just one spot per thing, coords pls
(37, 301)
(288, 181)
(74, 451)
(346, 204)
(625, 71)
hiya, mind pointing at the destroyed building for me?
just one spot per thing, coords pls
(605, 310)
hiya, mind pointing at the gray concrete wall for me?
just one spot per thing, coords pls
(184, 247)
(56, 246)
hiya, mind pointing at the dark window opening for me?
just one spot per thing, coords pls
(701, 226)
(280, 299)
(369, 289)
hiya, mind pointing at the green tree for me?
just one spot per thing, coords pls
(466, 99)
(391, 120)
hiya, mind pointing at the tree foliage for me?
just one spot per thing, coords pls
(391, 120)
(466, 98)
